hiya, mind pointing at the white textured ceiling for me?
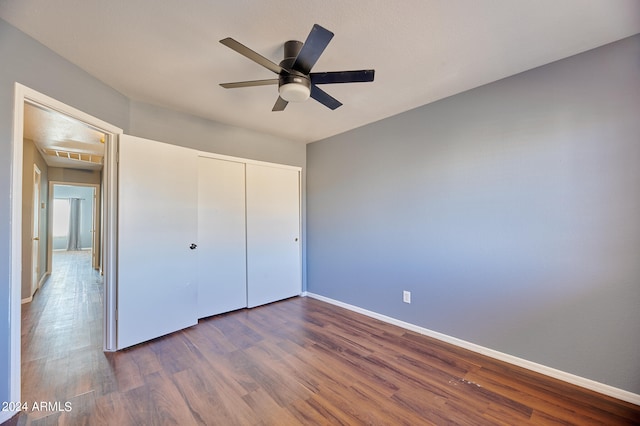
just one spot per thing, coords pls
(166, 52)
(63, 141)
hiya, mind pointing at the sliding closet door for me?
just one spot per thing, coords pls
(273, 234)
(222, 269)
(157, 219)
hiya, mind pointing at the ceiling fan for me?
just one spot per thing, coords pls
(296, 82)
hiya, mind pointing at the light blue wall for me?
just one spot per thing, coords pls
(511, 212)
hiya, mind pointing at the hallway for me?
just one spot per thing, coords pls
(62, 333)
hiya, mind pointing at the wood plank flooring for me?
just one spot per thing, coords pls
(299, 361)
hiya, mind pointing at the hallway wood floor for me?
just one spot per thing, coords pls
(300, 361)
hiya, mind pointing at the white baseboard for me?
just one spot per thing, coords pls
(40, 284)
(43, 279)
(520, 362)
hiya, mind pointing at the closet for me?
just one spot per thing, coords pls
(201, 234)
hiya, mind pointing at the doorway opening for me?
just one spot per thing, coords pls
(67, 150)
(75, 221)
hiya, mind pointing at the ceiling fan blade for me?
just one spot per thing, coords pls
(316, 42)
(249, 83)
(324, 98)
(361, 76)
(248, 53)
(280, 105)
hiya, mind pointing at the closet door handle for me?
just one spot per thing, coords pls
(193, 246)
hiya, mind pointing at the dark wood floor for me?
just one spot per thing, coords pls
(300, 361)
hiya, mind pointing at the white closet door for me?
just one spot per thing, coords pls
(157, 219)
(222, 269)
(273, 234)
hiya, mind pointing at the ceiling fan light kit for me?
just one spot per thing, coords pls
(296, 82)
(296, 91)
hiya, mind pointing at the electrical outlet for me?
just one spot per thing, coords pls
(406, 296)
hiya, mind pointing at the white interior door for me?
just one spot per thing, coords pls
(222, 279)
(273, 234)
(157, 220)
(35, 234)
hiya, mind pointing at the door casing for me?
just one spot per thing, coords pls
(24, 94)
(35, 230)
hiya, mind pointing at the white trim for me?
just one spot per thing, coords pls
(37, 98)
(35, 216)
(43, 278)
(501, 356)
(109, 239)
(15, 286)
(24, 94)
(27, 300)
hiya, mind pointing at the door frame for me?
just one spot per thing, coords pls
(35, 229)
(22, 95)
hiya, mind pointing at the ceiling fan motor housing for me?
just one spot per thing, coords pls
(293, 86)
